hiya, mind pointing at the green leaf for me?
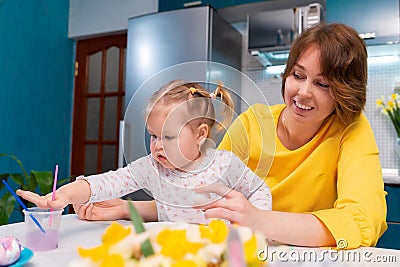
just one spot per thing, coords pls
(10, 202)
(31, 184)
(18, 178)
(3, 217)
(3, 176)
(7, 205)
(137, 221)
(40, 182)
(45, 180)
(19, 164)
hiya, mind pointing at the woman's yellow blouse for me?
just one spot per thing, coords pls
(336, 176)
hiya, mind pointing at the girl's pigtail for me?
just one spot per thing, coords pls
(227, 112)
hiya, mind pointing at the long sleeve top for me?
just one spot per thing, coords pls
(173, 189)
(336, 175)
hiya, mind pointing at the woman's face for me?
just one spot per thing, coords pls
(173, 143)
(306, 91)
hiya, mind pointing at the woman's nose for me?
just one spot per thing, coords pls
(305, 90)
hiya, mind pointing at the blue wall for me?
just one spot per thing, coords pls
(36, 84)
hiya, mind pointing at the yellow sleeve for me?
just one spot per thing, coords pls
(239, 131)
(358, 217)
(251, 137)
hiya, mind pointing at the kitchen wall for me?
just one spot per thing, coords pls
(94, 17)
(382, 75)
(36, 74)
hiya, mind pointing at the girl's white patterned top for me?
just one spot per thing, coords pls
(173, 189)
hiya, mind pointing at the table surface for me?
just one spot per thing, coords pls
(75, 232)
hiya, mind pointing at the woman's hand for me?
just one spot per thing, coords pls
(233, 206)
(285, 227)
(45, 202)
(114, 209)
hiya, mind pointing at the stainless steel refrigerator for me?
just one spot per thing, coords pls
(160, 40)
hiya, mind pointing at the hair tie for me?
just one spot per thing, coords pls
(192, 90)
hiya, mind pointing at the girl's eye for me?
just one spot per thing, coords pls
(168, 137)
(152, 136)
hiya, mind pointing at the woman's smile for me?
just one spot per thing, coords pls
(302, 106)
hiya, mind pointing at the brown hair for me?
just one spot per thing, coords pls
(202, 109)
(343, 64)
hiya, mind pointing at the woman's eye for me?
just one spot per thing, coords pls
(297, 76)
(323, 85)
(152, 136)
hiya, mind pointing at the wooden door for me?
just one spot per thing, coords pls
(98, 104)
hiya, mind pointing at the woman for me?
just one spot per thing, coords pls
(325, 176)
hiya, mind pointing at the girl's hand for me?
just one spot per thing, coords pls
(101, 211)
(233, 206)
(45, 202)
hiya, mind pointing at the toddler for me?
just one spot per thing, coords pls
(179, 118)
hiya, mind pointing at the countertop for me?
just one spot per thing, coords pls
(390, 176)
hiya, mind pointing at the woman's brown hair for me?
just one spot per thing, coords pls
(343, 64)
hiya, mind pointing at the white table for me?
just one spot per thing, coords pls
(75, 232)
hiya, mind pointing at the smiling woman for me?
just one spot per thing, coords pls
(318, 177)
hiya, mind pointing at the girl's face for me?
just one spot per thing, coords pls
(306, 91)
(173, 143)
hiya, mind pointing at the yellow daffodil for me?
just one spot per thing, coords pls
(113, 260)
(175, 244)
(250, 252)
(113, 234)
(392, 109)
(379, 102)
(96, 254)
(216, 231)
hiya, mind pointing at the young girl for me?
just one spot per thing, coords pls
(179, 118)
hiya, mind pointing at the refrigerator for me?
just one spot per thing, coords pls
(194, 44)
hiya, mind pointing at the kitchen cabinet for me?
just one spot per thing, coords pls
(376, 21)
(390, 238)
(164, 5)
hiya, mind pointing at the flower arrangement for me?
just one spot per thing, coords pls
(174, 244)
(169, 245)
(392, 109)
